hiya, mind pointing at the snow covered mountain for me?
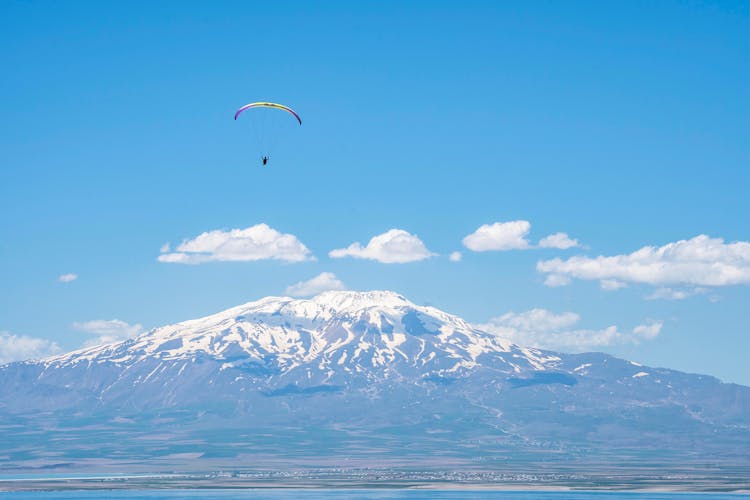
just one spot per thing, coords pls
(352, 372)
(377, 335)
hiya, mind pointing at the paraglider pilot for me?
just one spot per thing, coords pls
(265, 160)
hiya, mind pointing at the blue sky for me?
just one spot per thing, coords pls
(621, 124)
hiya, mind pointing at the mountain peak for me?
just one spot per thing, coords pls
(337, 330)
(352, 300)
(323, 305)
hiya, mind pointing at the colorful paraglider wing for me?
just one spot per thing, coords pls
(268, 105)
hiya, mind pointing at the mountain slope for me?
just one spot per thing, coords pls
(355, 374)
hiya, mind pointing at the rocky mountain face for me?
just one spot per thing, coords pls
(355, 376)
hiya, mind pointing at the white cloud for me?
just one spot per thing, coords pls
(166, 247)
(612, 284)
(700, 261)
(513, 236)
(558, 240)
(455, 257)
(108, 331)
(253, 243)
(320, 283)
(665, 293)
(544, 329)
(395, 246)
(554, 280)
(499, 236)
(67, 278)
(21, 347)
(538, 319)
(648, 331)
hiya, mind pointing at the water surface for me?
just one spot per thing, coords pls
(321, 494)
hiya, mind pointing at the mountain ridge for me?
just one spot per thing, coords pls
(300, 330)
(351, 372)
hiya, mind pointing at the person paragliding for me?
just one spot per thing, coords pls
(262, 122)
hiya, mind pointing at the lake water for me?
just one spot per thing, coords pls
(320, 494)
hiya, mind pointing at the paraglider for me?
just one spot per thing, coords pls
(262, 123)
(268, 105)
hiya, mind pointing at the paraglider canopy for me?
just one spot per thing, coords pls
(268, 105)
(268, 122)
